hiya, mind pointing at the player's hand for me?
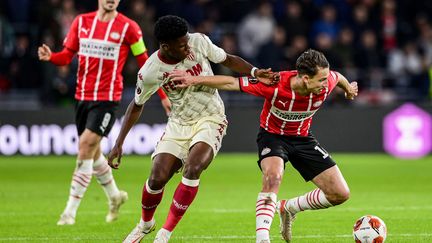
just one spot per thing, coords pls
(181, 78)
(352, 92)
(116, 152)
(267, 76)
(44, 53)
(166, 104)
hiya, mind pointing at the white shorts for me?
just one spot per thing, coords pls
(178, 139)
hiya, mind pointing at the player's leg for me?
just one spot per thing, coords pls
(325, 174)
(167, 160)
(94, 120)
(100, 120)
(272, 153)
(314, 163)
(200, 156)
(105, 178)
(332, 190)
(165, 165)
(88, 143)
(333, 185)
(206, 139)
(272, 168)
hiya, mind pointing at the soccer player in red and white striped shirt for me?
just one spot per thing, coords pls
(285, 136)
(102, 40)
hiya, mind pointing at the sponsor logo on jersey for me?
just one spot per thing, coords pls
(99, 49)
(195, 70)
(265, 151)
(291, 116)
(115, 35)
(317, 104)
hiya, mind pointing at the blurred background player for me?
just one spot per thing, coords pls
(102, 40)
(196, 126)
(285, 136)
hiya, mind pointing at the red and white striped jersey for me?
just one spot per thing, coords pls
(286, 112)
(102, 51)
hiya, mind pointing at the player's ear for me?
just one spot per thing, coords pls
(165, 46)
(305, 78)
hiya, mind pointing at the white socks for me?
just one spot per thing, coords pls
(104, 176)
(147, 225)
(265, 209)
(82, 177)
(80, 181)
(312, 200)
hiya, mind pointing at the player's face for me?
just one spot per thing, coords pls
(179, 49)
(109, 5)
(318, 82)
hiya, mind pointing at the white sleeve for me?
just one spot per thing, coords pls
(213, 52)
(147, 84)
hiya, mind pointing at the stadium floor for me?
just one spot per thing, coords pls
(33, 192)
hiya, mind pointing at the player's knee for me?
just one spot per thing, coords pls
(193, 170)
(272, 180)
(85, 144)
(339, 197)
(157, 182)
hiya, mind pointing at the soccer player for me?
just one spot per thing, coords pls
(195, 128)
(102, 40)
(285, 136)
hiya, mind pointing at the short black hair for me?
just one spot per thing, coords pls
(309, 61)
(170, 27)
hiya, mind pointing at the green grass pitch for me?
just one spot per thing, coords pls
(33, 192)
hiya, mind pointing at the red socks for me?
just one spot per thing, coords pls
(183, 197)
(149, 201)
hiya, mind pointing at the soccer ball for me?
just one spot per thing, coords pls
(369, 229)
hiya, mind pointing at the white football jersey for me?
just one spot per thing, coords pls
(192, 103)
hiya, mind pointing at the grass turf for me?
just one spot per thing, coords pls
(33, 193)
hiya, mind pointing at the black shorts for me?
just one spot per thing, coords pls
(305, 153)
(97, 116)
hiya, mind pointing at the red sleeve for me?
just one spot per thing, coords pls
(253, 86)
(141, 59)
(133, 33)
(62, 58)
(72, 41)
(161, 94)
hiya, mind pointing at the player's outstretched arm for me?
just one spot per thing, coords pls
(351, 89)
(183, 80)
(132, 115)
(241, 66)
